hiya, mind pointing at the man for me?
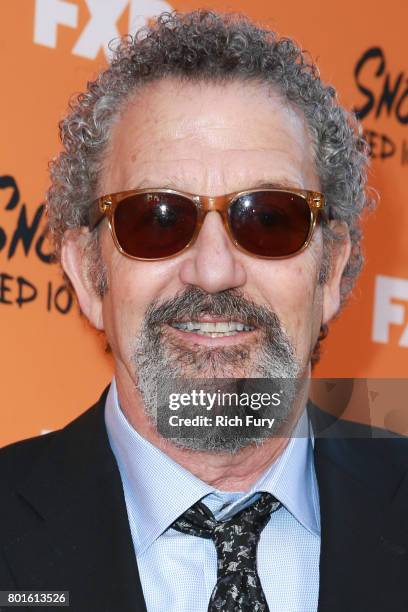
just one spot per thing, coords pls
(205, 209)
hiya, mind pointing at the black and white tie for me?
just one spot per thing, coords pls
(238, 588)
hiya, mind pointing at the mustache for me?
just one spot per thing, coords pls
(195, 302)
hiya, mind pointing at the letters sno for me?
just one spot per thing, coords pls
(23, 234)
(101, 27)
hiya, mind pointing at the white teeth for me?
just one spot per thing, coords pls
(221, 328)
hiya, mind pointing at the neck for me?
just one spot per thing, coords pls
(224, 471)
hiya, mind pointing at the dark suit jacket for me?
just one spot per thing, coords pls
(63, 521)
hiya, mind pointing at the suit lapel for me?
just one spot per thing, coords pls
(73, 531)
(364, 514)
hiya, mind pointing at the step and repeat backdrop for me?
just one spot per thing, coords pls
(53, 366)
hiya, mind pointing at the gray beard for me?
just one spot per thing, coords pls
(162, 365)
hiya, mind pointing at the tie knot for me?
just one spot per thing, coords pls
(235, 539)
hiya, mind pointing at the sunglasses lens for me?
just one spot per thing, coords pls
(270, 224)
(154, 225)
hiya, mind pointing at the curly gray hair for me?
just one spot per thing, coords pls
(204, 45)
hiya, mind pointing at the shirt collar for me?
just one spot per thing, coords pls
(292, 478)
(162, 489)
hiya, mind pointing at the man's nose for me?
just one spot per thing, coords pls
(213, 262)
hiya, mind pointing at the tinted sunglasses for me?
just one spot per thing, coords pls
(153, 224)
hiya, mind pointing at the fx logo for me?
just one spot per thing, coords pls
(101, 27)
(387, 289)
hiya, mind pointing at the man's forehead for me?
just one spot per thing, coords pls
(208, 112)
(173, 133)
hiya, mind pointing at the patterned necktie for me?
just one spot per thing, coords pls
(238, 587)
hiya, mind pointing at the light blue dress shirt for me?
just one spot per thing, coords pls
(178, 571)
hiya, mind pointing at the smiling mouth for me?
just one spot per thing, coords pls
(212, 329)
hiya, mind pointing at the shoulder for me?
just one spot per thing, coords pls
(369, 455)
(18, 459)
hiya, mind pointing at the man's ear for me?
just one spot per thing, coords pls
(340, 254)
(75, 264)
